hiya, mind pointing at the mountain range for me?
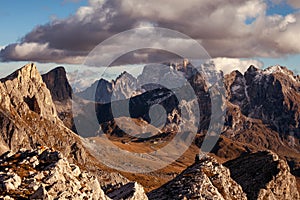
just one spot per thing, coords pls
(256, 157)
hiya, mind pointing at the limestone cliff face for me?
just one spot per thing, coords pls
(58, 84)
(271, 95)
(263, 175)
(28, 115)
(28, 118)
(24, 90)
(61, 93)
(206, 179)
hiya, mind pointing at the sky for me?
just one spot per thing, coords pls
(236, 34)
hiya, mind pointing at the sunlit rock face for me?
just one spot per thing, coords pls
(205, 179)
(45, 174)
(271, 95)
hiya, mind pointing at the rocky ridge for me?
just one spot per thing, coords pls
(205, 179)
(263, 175)
(45, 174)
(258, 92)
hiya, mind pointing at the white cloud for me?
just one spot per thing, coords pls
(218, 25)
(227, 65)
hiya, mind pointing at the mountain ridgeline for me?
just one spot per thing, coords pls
(262, 107)
(259, 145)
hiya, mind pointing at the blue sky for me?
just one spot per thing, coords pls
(282, 8)
(17, 18)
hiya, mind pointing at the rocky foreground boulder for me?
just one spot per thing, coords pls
(263, 175)
(132, 191)
(45, 174)
(257, 176)
(205, 179)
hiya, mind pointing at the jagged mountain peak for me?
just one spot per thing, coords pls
(237, 73)
(125, 75)
(26, 90)
(262, 93)
(276, 69)
(61, 92)
(252, 69)
(28, 71)
(272, 70)
(57, 82)
(104, 91)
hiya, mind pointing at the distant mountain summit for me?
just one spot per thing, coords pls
(103, 91)
(271, 95)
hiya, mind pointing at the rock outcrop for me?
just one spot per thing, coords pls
(270, 95)
(25, 90)
(29, 118)
(61, 93)
(58, 84)
(45, 174)
(263, 175)
(206, 179)
(129, 191)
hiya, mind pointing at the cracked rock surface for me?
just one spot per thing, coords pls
(45, 174)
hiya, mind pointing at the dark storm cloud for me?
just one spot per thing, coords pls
(218, 25)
